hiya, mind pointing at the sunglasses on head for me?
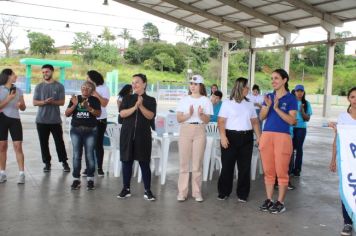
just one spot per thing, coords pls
(86, 87)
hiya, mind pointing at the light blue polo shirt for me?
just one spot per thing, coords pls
(274, 123)
(301, 123)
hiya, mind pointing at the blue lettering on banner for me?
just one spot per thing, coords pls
(353, 149)
(352, 183)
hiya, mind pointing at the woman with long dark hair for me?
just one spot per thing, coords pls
(102, 93)
(304, 113)
(279, 110)
(193, 112)
(137, 112)
(125, 91)
(237, 120)
(11, 101)
(345, 118)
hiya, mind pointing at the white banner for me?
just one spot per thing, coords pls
(346, 162)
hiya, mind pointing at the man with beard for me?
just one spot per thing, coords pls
(48, 96)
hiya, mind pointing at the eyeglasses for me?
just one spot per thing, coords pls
(86, 87)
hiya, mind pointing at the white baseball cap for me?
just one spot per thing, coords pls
(198, 79)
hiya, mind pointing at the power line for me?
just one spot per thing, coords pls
(64, 21)
(77, 10)
(72, 22)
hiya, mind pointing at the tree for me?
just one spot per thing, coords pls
(41, 43)
(164, 60)
(150, 31)
(6, 33)
(125, 35)
(107, 35)
(190, 35)
(82, 42)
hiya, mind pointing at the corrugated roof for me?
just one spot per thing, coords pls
(231, 19)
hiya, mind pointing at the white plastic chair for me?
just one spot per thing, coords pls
(214, 156)
(66, 124)
(113, 134)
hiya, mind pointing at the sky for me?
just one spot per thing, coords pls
(116, 16)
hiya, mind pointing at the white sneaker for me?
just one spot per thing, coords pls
(21, 179)
(199, 199)
(181, 199)
(3, 178)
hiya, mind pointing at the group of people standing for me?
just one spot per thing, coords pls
(239, 120)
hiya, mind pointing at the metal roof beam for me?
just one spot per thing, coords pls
(213, 17)
(174, 19)
(326, 17)
(259, 15)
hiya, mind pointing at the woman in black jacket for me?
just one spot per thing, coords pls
(137, 112)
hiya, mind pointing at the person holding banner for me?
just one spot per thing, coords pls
(345, 118)
(279, 109)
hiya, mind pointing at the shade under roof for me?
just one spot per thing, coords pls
(229, 20)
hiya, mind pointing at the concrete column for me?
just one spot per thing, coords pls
(286, 57)
(252, 62)
(224, 67)
(329, 67)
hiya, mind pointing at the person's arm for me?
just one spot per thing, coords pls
(289, 117)
(103, 101)
(118, 104)
(265, 107)
(145, 112)
(45, 102)
(181, 117)
(6, 101)
(126, 112)
(57, 102)
(332, 165)
(71, 107)
(204, 117)
(21, 104)
(94, 112)
(256, 128)
(221, 126)
(306, 117)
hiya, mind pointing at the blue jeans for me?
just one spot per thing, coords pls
(83, 136)
(298, 141)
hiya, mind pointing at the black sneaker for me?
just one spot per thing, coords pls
(149, 196)
(267, 204)
(101, 173)
(66, 167)
(125, 192)
(90, 185)
(222, 197)
(347, 230)
(75, 185)
(290, 186)
(277, 208)
(47, 168)
(85, 173)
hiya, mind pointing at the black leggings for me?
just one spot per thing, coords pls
(99, 149)
(127, 173)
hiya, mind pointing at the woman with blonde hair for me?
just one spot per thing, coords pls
(236, 122)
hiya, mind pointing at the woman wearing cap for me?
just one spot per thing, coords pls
(137, 112)
(103, 94)
(279, 110)
(237, 118)
(304, 113)
(11, 101)
(193, 112)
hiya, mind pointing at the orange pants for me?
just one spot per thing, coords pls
(276, 150)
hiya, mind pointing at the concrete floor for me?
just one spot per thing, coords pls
(45, 205)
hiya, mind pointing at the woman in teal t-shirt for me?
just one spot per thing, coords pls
(304, 113)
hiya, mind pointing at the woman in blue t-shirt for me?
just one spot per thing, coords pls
(304, 113)
(279, 110)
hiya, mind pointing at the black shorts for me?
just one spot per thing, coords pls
(10, 124)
